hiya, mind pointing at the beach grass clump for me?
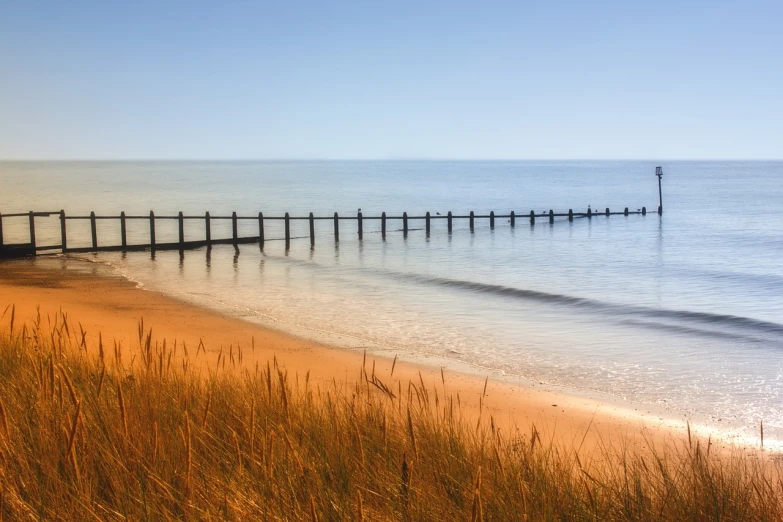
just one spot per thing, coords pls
(90, 431)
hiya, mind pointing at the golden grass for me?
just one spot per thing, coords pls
(151, 434)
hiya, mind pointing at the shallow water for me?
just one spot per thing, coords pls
(682, 312)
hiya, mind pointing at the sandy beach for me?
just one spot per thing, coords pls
(582, 434)
(114, 306)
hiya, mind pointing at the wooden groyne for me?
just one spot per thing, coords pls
(33, 247)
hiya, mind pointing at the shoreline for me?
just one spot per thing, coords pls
(113, 305)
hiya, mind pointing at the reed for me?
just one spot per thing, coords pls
(277, 449)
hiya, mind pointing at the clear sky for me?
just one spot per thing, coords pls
(163, 79)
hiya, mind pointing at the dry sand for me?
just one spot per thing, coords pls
(114, 306)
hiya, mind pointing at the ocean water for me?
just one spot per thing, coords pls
(680, 314)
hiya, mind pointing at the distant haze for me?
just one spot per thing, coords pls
(360, 80)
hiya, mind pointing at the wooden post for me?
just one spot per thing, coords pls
(261, 229)
(1, 230)
(625, 211)
(336, 228)
(405, 224)
(152, 231)
(570, 215)
(532, 217)
(287, 221)
(359, 219)
(513, 219)
(208, 228)
(449, 220)
(123, 231)
(32, 231)
(181, 220)
(312, 230)
(427, 226)
(644, 211)
(472, 219)
(659, 173)
(383, 225)
(607, 211)
(234, 227)
(94, 230)
(551, 216)
(63, 238)
(492, 219)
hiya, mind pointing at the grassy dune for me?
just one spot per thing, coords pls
(96, 432)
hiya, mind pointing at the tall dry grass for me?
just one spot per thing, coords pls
(96, 432)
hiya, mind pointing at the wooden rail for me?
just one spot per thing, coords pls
(32, 248)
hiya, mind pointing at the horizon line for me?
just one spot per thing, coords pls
(281, 160)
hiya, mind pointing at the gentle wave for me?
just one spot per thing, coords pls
(744, 323)
(689, 330)
(750, 329)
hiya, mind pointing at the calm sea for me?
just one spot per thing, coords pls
(680, 314)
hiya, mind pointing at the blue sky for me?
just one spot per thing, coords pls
(339, 80)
